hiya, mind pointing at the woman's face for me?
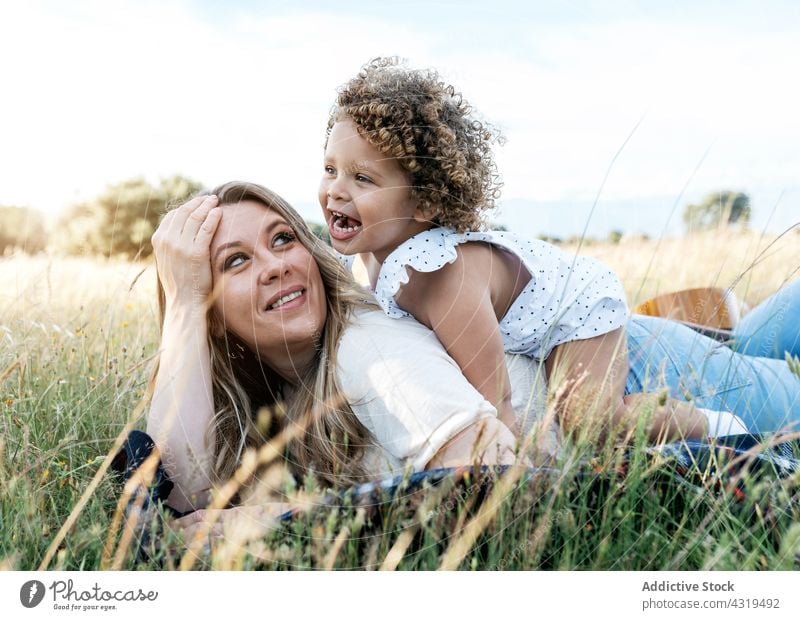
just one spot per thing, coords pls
(270, 292)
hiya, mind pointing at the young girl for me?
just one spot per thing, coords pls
(408, 177)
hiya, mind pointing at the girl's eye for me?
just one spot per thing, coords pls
(230, 262)
(282, 238)
(329, 170)
(362, 179)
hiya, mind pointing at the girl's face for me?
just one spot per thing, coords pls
(365, 196)
(270, 292)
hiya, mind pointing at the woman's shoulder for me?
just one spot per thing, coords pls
(370, 330)
(375, 343)
(403, 387)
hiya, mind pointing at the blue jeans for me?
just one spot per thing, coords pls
(750, 379)
(772, 328)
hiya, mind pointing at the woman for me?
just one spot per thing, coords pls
(288, 325)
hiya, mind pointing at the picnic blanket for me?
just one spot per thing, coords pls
(728, 464)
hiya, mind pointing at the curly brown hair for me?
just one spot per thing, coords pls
(429, 127)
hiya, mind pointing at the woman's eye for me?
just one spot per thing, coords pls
(330, 170)
(282, 238)
(230, 262)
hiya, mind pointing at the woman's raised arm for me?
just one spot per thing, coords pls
(182, 406)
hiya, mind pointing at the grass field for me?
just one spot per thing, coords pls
(77, 338)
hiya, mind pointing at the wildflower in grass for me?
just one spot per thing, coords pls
(9, 402)
(794, 364)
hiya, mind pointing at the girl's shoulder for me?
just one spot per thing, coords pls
(433, 249)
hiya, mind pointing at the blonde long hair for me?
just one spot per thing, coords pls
(332, 444)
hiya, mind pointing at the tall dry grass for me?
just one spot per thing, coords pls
(76, 342)
(754, 265)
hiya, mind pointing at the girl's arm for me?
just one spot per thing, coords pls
(182, 406)
(588, 376)
(456, 303)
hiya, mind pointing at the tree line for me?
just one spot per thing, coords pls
(122, 219)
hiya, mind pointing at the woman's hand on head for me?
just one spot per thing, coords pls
(181, 246)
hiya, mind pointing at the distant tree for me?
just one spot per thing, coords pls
(549, 239)
(320, 230)
(579, 239)
(614, 236)
(121, 220)
(635, 237)
(22, 228)
(496, 226)
(717, 209)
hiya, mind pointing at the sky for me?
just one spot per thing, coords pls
(615, 114)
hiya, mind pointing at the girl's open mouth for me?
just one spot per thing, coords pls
(343, 227)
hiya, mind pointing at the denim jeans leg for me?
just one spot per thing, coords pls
(667, 355)
(772, 328)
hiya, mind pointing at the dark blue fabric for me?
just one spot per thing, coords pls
(134, 451)
(725, 457)
(137, 447)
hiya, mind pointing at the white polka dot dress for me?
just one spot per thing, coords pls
(345, 260)
(568, 298)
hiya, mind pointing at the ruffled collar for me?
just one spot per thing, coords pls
(427, 251)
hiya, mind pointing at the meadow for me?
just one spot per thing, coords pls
(77, 339)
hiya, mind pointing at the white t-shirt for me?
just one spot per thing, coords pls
(412, 396)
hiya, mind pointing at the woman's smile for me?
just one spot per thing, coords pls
(288, 299)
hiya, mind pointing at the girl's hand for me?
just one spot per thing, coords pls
(181, 246)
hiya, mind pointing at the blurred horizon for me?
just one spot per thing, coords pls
(703, 98)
